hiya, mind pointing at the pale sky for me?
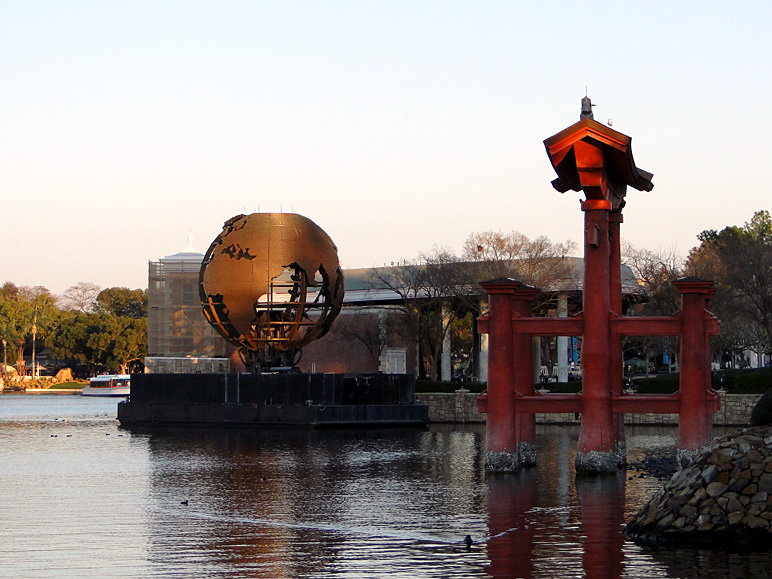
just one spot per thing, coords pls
(395, 126)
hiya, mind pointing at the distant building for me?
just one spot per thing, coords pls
(179, 337)
(361, 340)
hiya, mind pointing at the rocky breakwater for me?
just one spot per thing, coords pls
(722, 498)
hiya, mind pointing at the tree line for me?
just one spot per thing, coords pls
(89, 326)
(439, 297)
(738, 259)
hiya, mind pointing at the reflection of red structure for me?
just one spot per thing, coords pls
(510, 547)
(602, 507)
(597, 160)
(529, 538)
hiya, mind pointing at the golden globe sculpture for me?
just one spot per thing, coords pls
(270, 283)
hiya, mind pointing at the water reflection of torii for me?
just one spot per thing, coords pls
(513, 499)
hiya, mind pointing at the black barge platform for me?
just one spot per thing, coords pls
(273, 399)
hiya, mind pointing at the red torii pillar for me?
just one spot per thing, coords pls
(511, 436)
(695, 420)
(617, 359)
(598, 447)
(597, 160)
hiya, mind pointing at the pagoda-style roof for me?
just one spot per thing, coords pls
(596, 159)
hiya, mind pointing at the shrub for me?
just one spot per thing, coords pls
(39, 383)
(663, 384)
(429, 386)
(754, 381)
(761, 415)
(562, 387)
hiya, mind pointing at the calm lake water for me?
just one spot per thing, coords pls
(82, 497)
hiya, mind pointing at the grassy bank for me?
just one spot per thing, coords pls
(67, 386)
(41, 384)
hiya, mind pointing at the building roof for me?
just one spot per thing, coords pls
(187, 254)
(362, 284)
(184, 262)
(183, 256)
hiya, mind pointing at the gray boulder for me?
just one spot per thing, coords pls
(722, 499)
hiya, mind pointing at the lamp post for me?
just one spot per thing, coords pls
(5, 361)
(34, 333)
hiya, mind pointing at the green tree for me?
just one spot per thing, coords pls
(100, 340)
(129, 343)
(122, 302)
(69, 340)
(739, 260)
(23, 309)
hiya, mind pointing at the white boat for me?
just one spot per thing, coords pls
(108, 385)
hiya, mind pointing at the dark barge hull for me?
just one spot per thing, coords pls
(281, 399)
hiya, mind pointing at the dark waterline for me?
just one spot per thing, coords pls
(82, 497)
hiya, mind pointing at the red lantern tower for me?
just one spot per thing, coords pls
(598, 161)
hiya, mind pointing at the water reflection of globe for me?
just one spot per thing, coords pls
(271, 283)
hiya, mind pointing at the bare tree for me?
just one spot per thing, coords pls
(439, 290)
(434, 291)
(655, 271)
(360, 328)
(82, 297)
(538, 262)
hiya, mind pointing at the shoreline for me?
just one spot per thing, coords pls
(70, 391)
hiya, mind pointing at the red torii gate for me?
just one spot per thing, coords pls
(597, 160)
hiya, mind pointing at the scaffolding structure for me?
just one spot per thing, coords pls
(177, 327)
